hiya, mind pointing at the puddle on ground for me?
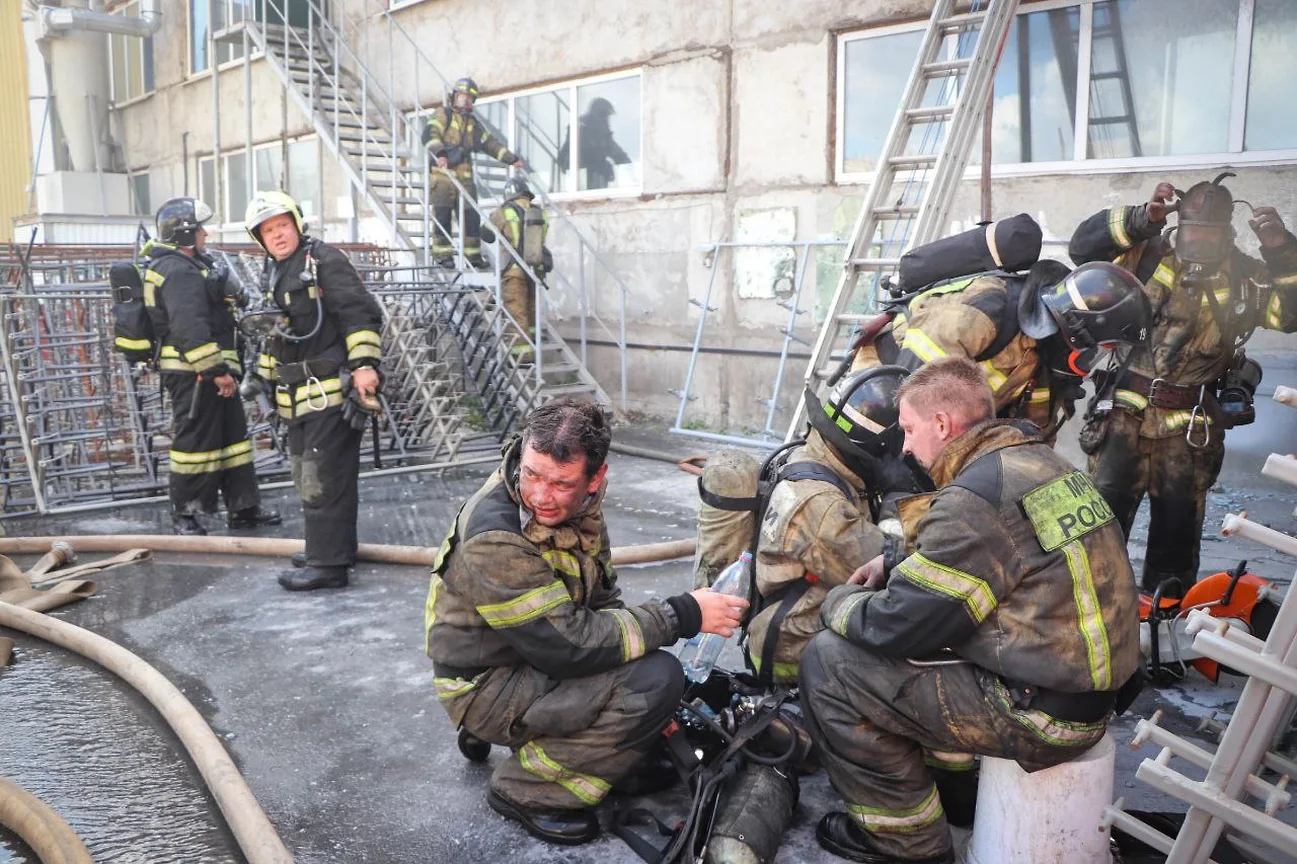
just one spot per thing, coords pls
(78, 739)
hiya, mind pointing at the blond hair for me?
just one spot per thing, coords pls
(954, 385)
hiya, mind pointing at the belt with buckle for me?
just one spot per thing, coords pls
(1088, 707)
(1160, 392)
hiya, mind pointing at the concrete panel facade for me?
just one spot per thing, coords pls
(738, 116)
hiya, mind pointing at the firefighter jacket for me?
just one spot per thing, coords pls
(508, 220)
(457, 135)
(813, 537)
(507, 590)
(972, 318)
(185, 297)
(1020, 567)
(1196, 328)
(308, 375)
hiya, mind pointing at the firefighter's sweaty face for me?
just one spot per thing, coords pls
(279, 234)
(925, 436)
(555, 491)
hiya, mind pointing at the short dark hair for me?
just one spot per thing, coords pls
(567, 428)
(956, 385)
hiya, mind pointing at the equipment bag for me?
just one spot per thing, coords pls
(133, 335)
(729, 523)
(1011, 244)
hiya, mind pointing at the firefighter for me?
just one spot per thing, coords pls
(452, 135)
(524, 227)
(820, 523)
(531, 643)
(1005, 324)
(185, 292)
(325, 366)
(1157, 423)
(948, 656)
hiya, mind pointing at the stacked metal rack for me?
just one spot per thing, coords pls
(1244, 765)
(80, 427)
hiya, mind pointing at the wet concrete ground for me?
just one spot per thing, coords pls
(325, 699)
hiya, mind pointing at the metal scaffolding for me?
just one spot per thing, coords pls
(79, 426)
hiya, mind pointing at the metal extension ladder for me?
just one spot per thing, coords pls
(921, 164)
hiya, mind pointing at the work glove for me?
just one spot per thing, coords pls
(1268, 226)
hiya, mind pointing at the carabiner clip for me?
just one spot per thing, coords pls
(310, 405)
(1196, 417)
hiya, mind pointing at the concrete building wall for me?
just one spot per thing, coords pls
(738, 119)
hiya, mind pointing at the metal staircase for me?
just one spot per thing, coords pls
(374, 142)
(920, 168)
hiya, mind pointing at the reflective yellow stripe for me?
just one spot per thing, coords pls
(132, 344)
(907, 821)
(365, 352)
(1039, 395)
(1180, 418)
(205, 350)
(1131, 398)
(153, 277)
(847, 608)
(1274, 311)
(449, 688)
(994, 377)
(363, 337)
(1165, 275)
(1287, 279)
(782, 671)
(1117, 226)
(196, 458)
(586, 787)
(1060, 733)
(1089, 615)
(948, 761)
(921, 345)
(974, 593)
(174, 366)
(563, 562)
(632, 635)
(525, 607)
(1221, 295)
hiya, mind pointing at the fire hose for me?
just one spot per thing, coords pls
(37, 825)
(253, 831)
(276, 548)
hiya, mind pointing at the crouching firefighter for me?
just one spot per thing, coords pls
(185, 295)
(323, 361)
(1157, 424)
(532, 646)
(946, 652)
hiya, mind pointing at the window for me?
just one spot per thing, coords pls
(541, 126)
(301, 179)
(1110, 83)
(140, 198)
(218, 15)
(131, 60)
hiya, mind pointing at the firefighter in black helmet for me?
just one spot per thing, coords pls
(452, 135)
(1157, 424)
(324, 364)
(524, 225)
(185, 293)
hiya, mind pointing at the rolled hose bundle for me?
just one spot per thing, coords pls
(37, 825)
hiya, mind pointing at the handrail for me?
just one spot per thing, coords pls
(395, 26)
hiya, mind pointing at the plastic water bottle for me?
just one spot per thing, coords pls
(698, 657)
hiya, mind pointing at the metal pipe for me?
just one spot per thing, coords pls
(1149, 731)
(1200, 796)
(56, 20)
(705, 306)
(1281, 468)
(1247, 529)
(1286, 395)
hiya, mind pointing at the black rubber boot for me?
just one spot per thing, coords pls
(253, 517)
(187, 524)
(839, 833)
(564, 827)
(299, 560)
(958, 791)
(311, 578)
(473, 748)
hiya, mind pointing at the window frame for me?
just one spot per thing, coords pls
(571, 87)
(1236, 155)
(254, 54)
(226, 224)
(112, 78)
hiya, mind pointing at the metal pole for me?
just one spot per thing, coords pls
(249, 166)
(99, 168)
(34, 472)
(793, 312)
(706, 307)
(217, 174)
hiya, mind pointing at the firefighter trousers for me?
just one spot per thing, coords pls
(324, 452)
(1175, 477)
(518, 294)
(881, 724)
(210, 451)
(571, 739)
(445, 210)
